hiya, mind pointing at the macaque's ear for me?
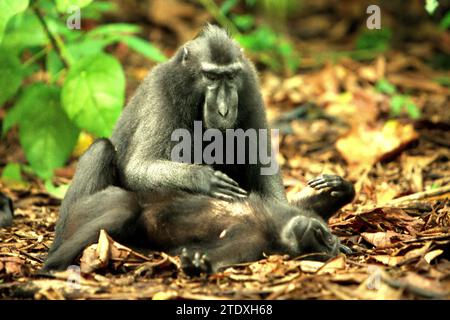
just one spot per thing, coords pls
(185, 55)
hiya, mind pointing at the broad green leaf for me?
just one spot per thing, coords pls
(24, 31)
(11, 75)
(11, 172)
(113, 28)
(64, 5)
(12, 117)
(46, 134)
(9, 8)
(54, 65)
(89, 47)
(59, 26)
(262, 39)
(95, 10)
(94, 92)
(145, 48)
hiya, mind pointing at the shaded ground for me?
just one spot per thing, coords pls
(331, 120)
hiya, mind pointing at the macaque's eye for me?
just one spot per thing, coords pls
(329, 238)
(325, 237)
(211, 76)
(231, 76)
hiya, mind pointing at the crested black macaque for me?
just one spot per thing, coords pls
(6, 211)
(209, 80)
(208, 233)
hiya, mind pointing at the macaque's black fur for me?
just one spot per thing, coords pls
(130, 187)
(213, 233)
(173, 96)
(6, 211)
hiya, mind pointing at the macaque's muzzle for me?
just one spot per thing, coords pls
(220, 107)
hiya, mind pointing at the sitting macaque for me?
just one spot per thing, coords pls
(213, 215)
(208, 233)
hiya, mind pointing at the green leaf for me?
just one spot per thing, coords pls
(227, 6)
(11, 173)
(431, 6)
(24, 31)
(262, 39)
(145, 48)
(11, 75)
(95, 10)
(113, 28)
(378, 40)
(397, 103)
(89, 47)
(384, 86)
(46, 134)
(64, 5)
(57, 192)
(94, 92)
(445, 22)
(244, 22)
(9, 8)
(54, 65)
(412, 110)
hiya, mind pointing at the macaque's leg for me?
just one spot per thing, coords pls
(113, 210)
(95, 172)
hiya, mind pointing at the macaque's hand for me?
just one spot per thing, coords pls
(218, 185)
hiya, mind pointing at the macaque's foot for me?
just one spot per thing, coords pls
(195, 264)
(333, 185)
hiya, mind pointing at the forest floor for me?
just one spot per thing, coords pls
(331, 120)
(400, 247)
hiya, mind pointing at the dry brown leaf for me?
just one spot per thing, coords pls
(310, 266)
(366, 146)
(97, 255)
(433, 255)
(337, 263)
(384, 239)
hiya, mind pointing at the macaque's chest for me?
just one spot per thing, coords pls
(166, 228)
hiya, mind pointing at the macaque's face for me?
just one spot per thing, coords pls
(304, 235)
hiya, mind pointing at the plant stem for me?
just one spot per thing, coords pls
(54, 39)
(36, 57)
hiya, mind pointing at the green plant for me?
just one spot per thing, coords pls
(399, 102)
(269, 47)
(83, 87)
(377, 40)
(273, 50)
